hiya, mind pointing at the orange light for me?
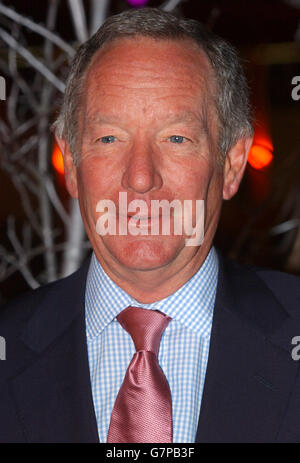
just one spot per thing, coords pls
(57, 160)
(260, 156)
(261, 139)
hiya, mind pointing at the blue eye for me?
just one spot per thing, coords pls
(177, 139)
(107, 139)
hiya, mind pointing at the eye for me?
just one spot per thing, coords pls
(107, 139)
(177, 139)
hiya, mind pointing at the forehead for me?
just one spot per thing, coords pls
(149, 70)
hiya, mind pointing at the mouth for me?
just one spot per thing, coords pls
(140, 217)
(143, 221)
(135, 216)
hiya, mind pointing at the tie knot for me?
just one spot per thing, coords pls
(144, 326)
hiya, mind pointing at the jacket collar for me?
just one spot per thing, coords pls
(250, 372)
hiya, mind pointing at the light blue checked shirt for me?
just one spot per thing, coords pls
(183, 349)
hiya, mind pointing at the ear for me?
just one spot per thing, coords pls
(235, 164)
(69, 166)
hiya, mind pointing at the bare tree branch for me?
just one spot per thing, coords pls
(24, 148)
(26, 145)
(79, 19)
(75, 236)
(31, 254)
(22, 262)
(35, 63)
(75, 232)
(11, 106)
(4, 131)
(170, 5)
(26, 203)
(43, 150)
(57, 204)
(39, 29)
(28, 124)
(98, 14)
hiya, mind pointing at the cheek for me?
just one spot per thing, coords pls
(88, 187)
(90, 190)
(97, 180)
(192, 180)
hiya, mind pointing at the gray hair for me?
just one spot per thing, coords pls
(232, 100)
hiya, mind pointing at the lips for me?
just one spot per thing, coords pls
(136, 217)
(143, 222)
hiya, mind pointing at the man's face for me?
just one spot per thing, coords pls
(149, 129)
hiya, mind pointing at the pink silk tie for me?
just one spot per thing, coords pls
(143, 407)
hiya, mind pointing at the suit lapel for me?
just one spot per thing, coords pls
(250, 372)
(53, 394)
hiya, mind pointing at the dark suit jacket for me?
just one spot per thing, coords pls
(252, 385)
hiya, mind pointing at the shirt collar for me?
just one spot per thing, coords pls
(191, 305)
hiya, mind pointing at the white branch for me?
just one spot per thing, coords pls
(22, 262)
(5, 135)
(75, 234)
(30, 254)
(26, 201)
(26, 125)
(57, 204)
(170, 5)
(24, 148)
(11, 106)
(79, 19)
(9, 13)
(98, 14)
(35, 63)
(26, 90)
(285, 226)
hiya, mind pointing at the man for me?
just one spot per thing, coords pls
(155, 107)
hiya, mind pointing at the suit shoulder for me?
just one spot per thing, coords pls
(285, 287)
(279, 280)
(20, 309)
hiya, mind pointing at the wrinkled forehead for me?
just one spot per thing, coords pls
(143, 63)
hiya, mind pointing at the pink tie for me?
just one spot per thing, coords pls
(143, 407)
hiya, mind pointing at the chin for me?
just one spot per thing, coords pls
(144, 253)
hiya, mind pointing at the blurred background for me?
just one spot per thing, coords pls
(41, 234)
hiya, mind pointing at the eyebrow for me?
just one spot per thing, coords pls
(190, 116)
(185, 116)
(100, 119)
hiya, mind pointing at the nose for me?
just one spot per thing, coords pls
(141, 174)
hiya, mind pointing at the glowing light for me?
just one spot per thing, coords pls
(261, 152)
(262, 139)
(260, 156)
(137, 2)
(57, 160)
